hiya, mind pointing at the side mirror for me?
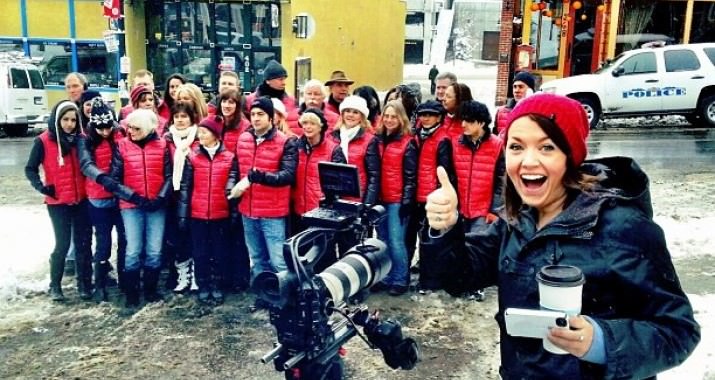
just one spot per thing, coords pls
(618, 71)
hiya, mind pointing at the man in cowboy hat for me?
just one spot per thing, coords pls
(339, 85)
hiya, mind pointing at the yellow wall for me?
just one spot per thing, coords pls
(364, 38)
(89, 21)
(11, 20)
(48, 18)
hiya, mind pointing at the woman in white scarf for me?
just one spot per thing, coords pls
(182, 133)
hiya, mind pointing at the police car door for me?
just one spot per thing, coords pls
(633, 86)
(683, 79)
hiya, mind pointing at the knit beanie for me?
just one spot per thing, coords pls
(214, 124)
(279, 107)
(89, 95)
(137, 93)
(321, 117)
(100, 116)
(566, 113)
(265, 104)
(274, 70)
(355, 102)
(526, 78)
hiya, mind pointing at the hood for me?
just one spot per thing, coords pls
(53, 123)
(623, 181)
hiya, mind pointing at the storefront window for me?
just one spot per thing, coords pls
(163, 61)
(703, 27)
(195, 23)
(161, 22)
(55, 60)
(229, 23)
(645, 21)
(265, 25)
(99, 66)
(545, 37)
(197, 67)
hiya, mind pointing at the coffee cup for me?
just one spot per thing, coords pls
(560, 289)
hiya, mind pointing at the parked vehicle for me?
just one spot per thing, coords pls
(657, 80)
(23, 98)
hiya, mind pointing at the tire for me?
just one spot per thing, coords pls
(593, 110)
(706, 111)
(16, 130)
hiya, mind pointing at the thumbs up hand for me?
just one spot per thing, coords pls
(441, 204)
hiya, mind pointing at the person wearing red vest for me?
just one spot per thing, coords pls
(142, 163)
(209, 174)
(144, 98)
(95, 157)
(339, 85)
(434, 150)
(181, 138)
(172, 84)
(314, 97)
(273, 86)
(238, 264)
(524, 86)
(65, 195)
(397, 191)
(266, 162)
(456, 94)
(227, 80)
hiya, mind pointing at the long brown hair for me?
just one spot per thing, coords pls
(575, 180)
(401, 115)
(233, 94)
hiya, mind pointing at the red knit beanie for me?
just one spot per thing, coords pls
(137, 93)
(566, 113)
(213, 124)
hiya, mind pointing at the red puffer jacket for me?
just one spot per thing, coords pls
(68, 180)
(143, 168)
(501, 120)
(103, 160)
(306, 193)
(431, 150)
(230, 136)
(208, 181)
(452, 126)
(475, 168)
(276, 158)
(364, 152)
(399, 164)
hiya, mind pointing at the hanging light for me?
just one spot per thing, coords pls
(601, 7)
(583, 17)
(577, 5)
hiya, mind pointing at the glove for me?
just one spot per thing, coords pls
(155, 204)
(138, 200)
(107, 182)
(491, 218)
(256, 176)
(183, 224)
(406, 210)
(49, 190)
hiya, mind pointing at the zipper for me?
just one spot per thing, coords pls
(146, 184)
(469, 183)
(253, 165)
(211, 169)
(305, 178)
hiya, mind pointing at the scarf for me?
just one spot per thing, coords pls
(265, 90)
(182, 140)
(425, 132)
(347, 134)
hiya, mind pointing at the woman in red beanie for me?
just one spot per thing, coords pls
(635, 320)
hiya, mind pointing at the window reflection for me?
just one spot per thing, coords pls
(99, 66)
(703, 26)
(546, 37)
(197, 67)
(55, 60)
(647, 21)
(163, 62)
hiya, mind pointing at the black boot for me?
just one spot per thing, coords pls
(101, 269)
(131, 288)
(151, 279)
(83, 259)
(57, 269)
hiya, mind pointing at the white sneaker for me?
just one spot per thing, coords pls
(183, 281)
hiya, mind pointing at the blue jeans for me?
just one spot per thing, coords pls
(264, 239)
(145, 232)
(392, 231)
(103, 220)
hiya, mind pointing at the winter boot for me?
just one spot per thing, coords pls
(101, 270)
(131, 288)
(192, 274)
(57, 269)
(183, 281)
(151, 279)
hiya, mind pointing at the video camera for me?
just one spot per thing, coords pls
(304, 305)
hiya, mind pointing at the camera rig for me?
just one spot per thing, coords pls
(309, 310)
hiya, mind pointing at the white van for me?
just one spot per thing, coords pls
(23, 98)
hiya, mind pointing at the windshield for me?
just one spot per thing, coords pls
(608, 63)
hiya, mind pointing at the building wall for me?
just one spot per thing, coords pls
(364, 38)
(11, 18)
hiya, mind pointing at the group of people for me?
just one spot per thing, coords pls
(211, 191)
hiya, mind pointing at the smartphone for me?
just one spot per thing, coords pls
(529, 323)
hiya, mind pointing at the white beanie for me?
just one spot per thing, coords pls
(279, 107)
(355, 102)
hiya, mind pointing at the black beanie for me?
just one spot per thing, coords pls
(274, 70)
(265, 104)
(528, 79)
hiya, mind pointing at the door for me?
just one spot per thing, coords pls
(634, 88)
(682, 81)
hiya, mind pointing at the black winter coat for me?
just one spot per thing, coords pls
(631, 289)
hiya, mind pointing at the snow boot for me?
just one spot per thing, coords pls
(151, 280)
(131, 288)
(192, 274)
(57, 269)
(101, 270)
(183, 281)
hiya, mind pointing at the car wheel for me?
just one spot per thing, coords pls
(16, 130)
(706, 111)
(593, 111)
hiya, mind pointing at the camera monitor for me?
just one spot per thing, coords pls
(339, 180)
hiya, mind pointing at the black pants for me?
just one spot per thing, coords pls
(414, 225)
(238, 264)
(64, 219)
(209, 243)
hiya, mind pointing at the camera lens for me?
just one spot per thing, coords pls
(561, 322)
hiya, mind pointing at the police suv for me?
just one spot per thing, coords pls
(658, 80)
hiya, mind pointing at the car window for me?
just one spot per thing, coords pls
(36, 79)
(19, 78)
(680, 60)
(710, 52)
(642, 63)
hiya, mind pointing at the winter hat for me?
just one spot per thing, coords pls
(213, 124)
(431, 107)
(566, 113)
(137, 93)
(100, 116)
(265, 104)
(274, 70)
(88, 95)
(279, 107)
(526, 78)
(355, 102)
(321, 117)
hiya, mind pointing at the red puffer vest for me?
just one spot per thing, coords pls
(208, 195)
(143, 168)
(475, 175)
(230, 136)
(501, 120)
(261, 201)
(68, 179)
(306, 194)
(172, 146)
(427, 164)
(103, 159)
(392, 176)
(357, 149)
(452, 126)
